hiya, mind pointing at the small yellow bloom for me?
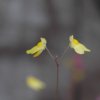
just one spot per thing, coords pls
(35, 83)
(77, 46)
(38, 49)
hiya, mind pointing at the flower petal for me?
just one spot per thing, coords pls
(34, 83)
(71, 38)
(37, 53)
(43, 40)
(38, 49)
(79, 49)
(77, 46)
(33, 50)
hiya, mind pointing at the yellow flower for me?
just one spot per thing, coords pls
(77, 46)
(35, 83)
(38, 49)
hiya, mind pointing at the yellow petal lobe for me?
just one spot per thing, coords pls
(38, 49)
(37, 53)
(33, 50)
(77, 46)
(35, 83)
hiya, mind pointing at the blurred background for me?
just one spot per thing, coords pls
(23, 22)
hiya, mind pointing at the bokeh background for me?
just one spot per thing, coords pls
(23, 22)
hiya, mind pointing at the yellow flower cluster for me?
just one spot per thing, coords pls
(37, 84)
(74, 43)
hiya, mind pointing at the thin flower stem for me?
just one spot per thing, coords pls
(55, 59)
(57, 79)
(66, 49)
(52, 57)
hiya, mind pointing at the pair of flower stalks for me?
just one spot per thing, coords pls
(78, 47)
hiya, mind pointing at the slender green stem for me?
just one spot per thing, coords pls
(52, 57)
(66, 49)
(55, 59)
(57, 79)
